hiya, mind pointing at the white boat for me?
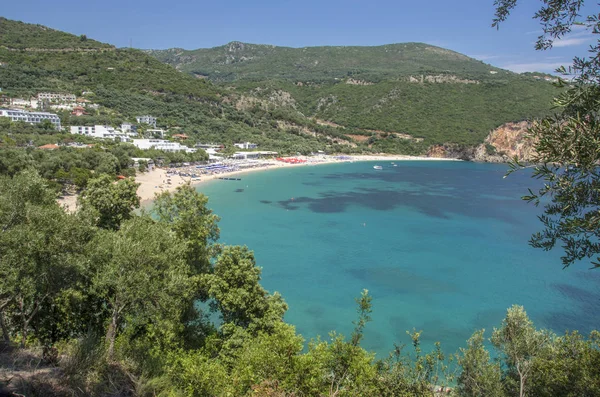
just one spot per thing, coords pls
(378, 167)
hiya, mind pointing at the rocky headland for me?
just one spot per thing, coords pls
(503, 144)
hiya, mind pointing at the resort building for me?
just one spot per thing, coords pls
(101, 132)
(251, 155)
(129, 128)
(246, 145)
(78, 111)
(206, 146)
(155, 133)
(161, 144)
(147, 120)
(21, 103)
(51, 96)
(30, 117)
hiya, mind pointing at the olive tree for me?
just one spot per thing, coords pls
(111, 202)
(567, 145)
(141, 275)
(519, 342)
(41, 250)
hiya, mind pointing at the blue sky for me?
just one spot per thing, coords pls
(463, 26)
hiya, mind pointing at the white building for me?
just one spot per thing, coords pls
(207, 146)
(246, 145)
(30, 117)
(251, 155)
(147, 120)
(161, 144)
(21, 102)
(102, 132)
(52, 96)
(129, 128)
(155, 133)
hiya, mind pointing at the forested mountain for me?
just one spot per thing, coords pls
(389, 93)
(242, 61)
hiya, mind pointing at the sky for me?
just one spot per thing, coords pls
(460, 25)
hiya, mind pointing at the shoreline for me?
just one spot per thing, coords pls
(155, 181)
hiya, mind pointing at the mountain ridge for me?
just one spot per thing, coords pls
(237, 60)
(429, 93)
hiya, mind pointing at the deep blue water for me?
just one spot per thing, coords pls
(441, 247)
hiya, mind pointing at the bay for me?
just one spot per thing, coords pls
(441, 247)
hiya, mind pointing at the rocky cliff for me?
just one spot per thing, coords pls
(506, 142)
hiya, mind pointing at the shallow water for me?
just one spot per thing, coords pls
(441, 247)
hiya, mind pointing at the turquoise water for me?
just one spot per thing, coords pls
(441, 247)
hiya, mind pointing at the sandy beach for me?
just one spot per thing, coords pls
(168, 179)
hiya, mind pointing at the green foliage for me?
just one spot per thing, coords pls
(196, 374)
(237, 295)
(529, 362)
(111, 202)
(566, 145)
(40, 254)
(479, 377)
(566, 367)
(140, 273)
(364, 316)
(404, 375)
(19, 35)
(519, 342)
(187, 214)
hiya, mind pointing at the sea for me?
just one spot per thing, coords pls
(441, 246)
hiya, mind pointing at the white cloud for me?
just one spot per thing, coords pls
(580, 35)
(546, 67)
(569, 42)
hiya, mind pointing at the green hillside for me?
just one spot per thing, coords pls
(19, 35)
(241, 61)
(412, 89)
(127, 83)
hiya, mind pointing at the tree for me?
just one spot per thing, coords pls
(363, 309)
(111, 202)
(238, 296)
(141, 275)
(143, 165)
(519, 342)
(41, 250)
(479, 377)
(186, 212)
(568, 367)
(566, 145)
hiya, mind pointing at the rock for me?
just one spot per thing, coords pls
(503, 144)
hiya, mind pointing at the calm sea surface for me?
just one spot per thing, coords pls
(441, 247)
